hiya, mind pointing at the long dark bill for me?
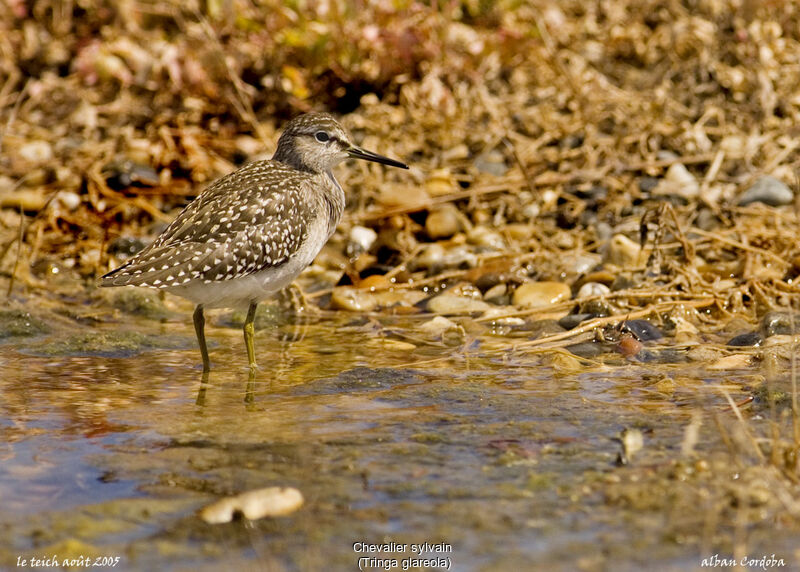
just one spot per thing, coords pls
(359, 153)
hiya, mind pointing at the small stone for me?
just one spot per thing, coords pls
(748, 339)
(496, 291)
(36, 151)
(486, 238)
(440, 183)
(622, 251)
(437, 326)
(538, 294)
(780, 322)
(629, 346)
(518, 231)
(491, 162)
(389, 344)
(643, 330)
(68, 200)
(360, 240)
(375, 282)
(593, 289)
(572, 320)
(449, 304)
(678, 182)
(632, 441)
(578, 264)
(252, 505)
(403, 196)
(353, 299)
(443, 222)
(736, 361)
(431, 258)
(767, 190)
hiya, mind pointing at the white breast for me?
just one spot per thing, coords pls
(240, 292)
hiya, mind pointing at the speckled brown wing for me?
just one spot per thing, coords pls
(247, 221)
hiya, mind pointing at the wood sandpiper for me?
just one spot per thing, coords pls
(250, 233)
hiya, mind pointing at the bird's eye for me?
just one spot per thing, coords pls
(321, 136)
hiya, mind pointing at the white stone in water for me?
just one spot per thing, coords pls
(353, 299)
(437, 326)
(255, 504)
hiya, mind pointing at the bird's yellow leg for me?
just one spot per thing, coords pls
(249, 335)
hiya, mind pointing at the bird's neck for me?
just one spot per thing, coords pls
(334, 200)
(288, 155)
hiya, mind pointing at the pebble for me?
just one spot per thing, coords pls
(593, 289)
(579, 264)
(572, 320)
(403, 196)
(590, 349)
(622, 251)
(748, 339)
(353, 299)
(389, 344)
(36, 151)
(375, 282)
(252, 505)
(443, 222)
(780, 322)
(679, 182)
(486, 238)
(440, 182)
(536, 294)
(629, 346)
(685, 331)
(632, 441)
(767, 190)
(496, 292)
(69, 200)
(431, 258)
(491, 162)
(361, 240)
(450, 304)
(643, 330)
(736, 361)
(437, 326)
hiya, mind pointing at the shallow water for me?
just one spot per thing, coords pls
(502, 460)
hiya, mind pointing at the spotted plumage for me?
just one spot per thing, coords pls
(250, 233)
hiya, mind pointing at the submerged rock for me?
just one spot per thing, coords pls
(107, 344)
(20, 323)
(353, 299)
